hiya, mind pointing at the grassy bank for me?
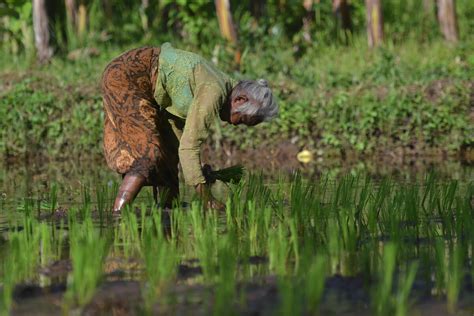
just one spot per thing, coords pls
(408, 98)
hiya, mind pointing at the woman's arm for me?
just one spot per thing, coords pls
(204, 191)
(204, 110)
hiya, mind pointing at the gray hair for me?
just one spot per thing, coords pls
(261, 101)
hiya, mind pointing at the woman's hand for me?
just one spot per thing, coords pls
(214, 204)
(209, 202)
(207, 172)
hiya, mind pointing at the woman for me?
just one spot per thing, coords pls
(159, 105)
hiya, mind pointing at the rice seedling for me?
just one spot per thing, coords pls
(177, 226)
(256, 190)
(289, 293)
(294, 243)
(347, 225)
(375, 205)
(304, 207)
(299, 231)
(454, 277)
(205, 239)
(26, 207)
(383, 289)
(333, 244)
(226, 276)
(85, 209)
(302, 291)
(278, 249)
(128, 234)
(235, 207)
(88, 250)
(53, 197)
(313, 281)
(22, 259)
(58, 238)
(160, 259)
(102, 196)
(258, 225)
(440, 266)
(46, 246)
(405, 283)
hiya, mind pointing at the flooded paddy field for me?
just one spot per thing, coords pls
(339, 240)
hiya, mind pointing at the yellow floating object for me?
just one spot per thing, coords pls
(304, 156)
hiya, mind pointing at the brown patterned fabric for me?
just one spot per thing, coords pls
(138, 138)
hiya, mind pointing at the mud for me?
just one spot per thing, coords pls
(342, 296)
(120, 293)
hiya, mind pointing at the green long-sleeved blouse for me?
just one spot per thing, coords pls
(191, 88)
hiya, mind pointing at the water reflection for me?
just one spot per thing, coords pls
(35, 180)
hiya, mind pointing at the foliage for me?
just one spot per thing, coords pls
(16, 28)
(195, 23)
(402, 99)
(396, 100)
(39, 117)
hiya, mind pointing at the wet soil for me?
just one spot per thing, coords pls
(120, 293)
(342, 296)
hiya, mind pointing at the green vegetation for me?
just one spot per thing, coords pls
(160, 260)
(30, 244)
(412, 95)
(88, 252)
(386, 234)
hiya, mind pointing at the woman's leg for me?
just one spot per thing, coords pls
(168, 181)
(131, 185)
(168, 194)
(131, 143)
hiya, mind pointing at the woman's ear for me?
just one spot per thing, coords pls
(240, 99)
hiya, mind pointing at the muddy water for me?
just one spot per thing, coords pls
(34, 180)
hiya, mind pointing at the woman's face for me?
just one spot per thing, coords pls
(237, 118)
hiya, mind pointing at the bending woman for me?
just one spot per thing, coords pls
(159, 104)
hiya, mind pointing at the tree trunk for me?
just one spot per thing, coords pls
(447, 20)
(71, 14)
(308, 19)
(257, 8)
(144, 14)
(341, 10)
(82, 21)
(226, 25)
(107, 6)
(374, 22)
(40, 25)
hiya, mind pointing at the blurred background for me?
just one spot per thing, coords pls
(384, 81)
